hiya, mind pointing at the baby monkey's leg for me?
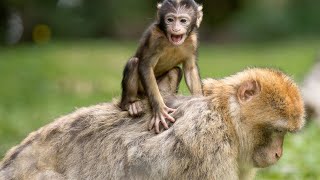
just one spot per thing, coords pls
(130, 86)
(169, 83)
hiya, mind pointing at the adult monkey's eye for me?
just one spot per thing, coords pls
(279, 131)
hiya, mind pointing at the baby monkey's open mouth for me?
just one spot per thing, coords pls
(177, 39)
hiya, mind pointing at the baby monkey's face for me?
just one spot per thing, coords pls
(177, 26)
(178, 18)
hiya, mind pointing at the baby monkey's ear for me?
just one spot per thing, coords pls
(159, 5)
(199, 15)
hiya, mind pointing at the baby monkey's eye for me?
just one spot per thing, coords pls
(170, 20)
(183, 21)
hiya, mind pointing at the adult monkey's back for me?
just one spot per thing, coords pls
(239, 125)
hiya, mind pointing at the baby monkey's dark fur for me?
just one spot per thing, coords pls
(171, 40)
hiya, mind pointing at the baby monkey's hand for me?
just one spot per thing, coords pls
(135, 108)
(160, 116)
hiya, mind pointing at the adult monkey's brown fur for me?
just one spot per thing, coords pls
(238, 126)
(171, 40)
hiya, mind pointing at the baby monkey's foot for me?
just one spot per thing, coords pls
(135, 108)
(161, 116)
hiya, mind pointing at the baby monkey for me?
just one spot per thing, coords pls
(171, 40)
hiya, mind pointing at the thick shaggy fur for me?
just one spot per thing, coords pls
(103, 142)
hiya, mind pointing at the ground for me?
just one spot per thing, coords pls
(42, 82)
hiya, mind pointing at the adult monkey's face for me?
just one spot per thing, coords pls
(177, 18)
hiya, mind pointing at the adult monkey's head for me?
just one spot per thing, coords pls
(178, 18)
(265, 105)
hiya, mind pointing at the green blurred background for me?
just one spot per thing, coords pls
(57, 55)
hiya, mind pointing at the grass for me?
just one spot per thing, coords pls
(42, 82)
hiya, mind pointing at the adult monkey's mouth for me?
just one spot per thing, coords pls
(177, 39)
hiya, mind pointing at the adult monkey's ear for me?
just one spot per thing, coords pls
(199, 15)
(248, 90)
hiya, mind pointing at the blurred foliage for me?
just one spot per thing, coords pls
(224, 20)
(82, 18)
(274, 19)
(3, 19)
(42, 82)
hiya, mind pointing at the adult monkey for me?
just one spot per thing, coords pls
(171, 40)
(238, 125)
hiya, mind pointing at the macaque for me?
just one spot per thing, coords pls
(237, 126)
(171, 40)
